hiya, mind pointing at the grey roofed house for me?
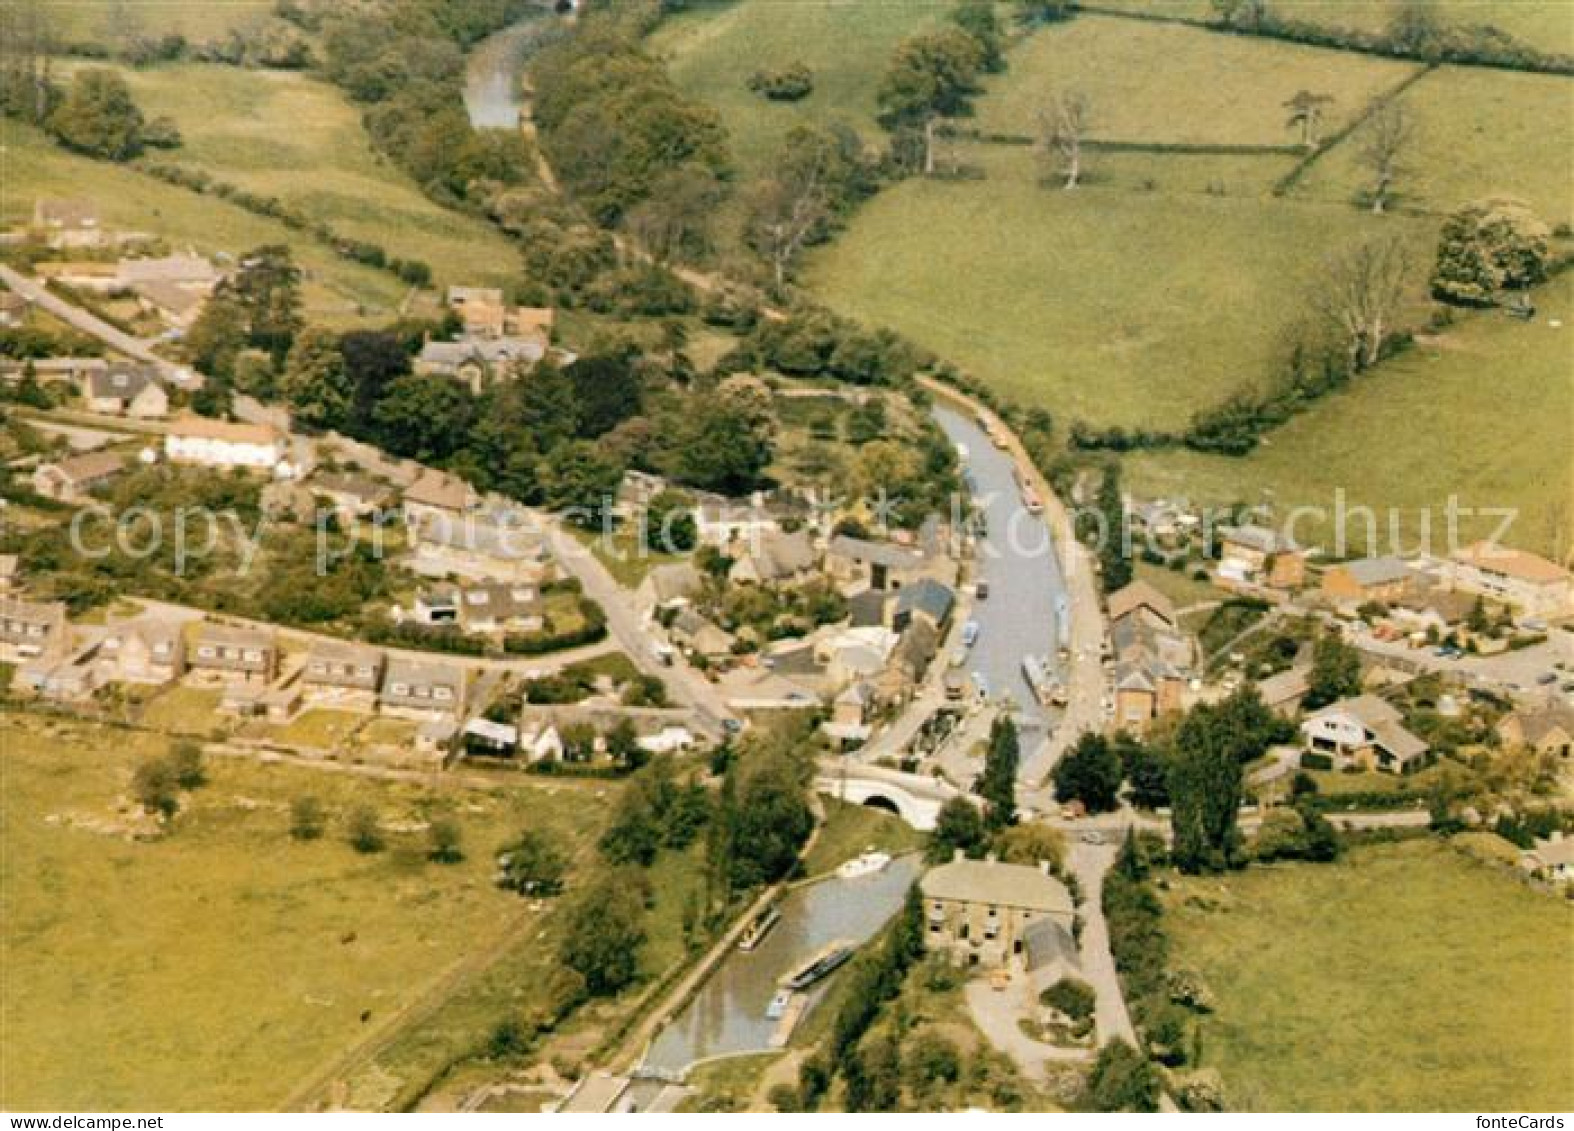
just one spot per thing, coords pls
(354, 666)
(424, 685)
(671, 582)
(1381, 720)
(926, 597)
(190, 270)
(499, 602)
(449, 357)
(1447, 605)
(358, 492)
(120, 381)
(439, 491)
(994, 883)
(223, 648)
(1377, 571)
(777, 557)
(1259, 538)
(866, 608)
(885, 554)
(75, 474)
(1284, 690)
(178, 301)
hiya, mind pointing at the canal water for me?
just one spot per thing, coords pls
(727, 1016)
(492, 73)
(1025, 609)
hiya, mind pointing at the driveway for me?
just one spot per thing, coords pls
(1089, 863)
(996, 1013)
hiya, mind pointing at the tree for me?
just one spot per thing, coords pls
(1072, 996)
(307, 819)
(1122, 1080)
(1146, 768)
(577, 480)
(933, 75)
(1114, 559)
(997, 785)
(155, 787)
(634, 835)
(604, 934)
(1487, 247)
(1335, 674)
(217, 338)
(791, 206)
(1063, 125)
(674, 221)
(1090, 772)
(978, 19)
(364, 830)
(606, 393)
(1306, 114)
(1205, 791)
(424, 418)
(1389, 131)
(267, 290)
(319, 391)
(669, 523)
(767, 818)
(1359, 295)
(1043, 11)
(1413, 30)
(1243, 15)
(372, 359)
(958, 825)
(445, 840)
(533, 865)
(1031, 843)
(722, 444)
(99, 117)
(185, 762)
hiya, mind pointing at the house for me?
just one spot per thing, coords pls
(925, 598)
(850, 712)
(245, 655)
(979, 911)
(540, 743)
(1256, 555)
(669, 585)
(71, 479)
(92, 276)
(774, 558)
(420, 688)
(699, 636)
(122, 389)
(13, 310)
(67, 680)
(1441, 610)
(879, 565)
(438, 605)
(1550, 859)
(31, 629)
(753, 689)
(488, 737)
(1366, 732)
(667, 740)
(342, 673)
(194, 272)
(351, 496)
(68, 223)
(1533, 585)
(1383, 581)
(178, 306)
(1139, 595)
(147, 650)
(1282, 692)
(223, 444)
(436, 495)
(1153, 659)
(476, 361)
(1548, 729)
(478, 544)
(480, 309)
(867, 607)
(500, 606)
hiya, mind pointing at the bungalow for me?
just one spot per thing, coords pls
(752, 689)
(70, 480)
(436, 495)
(979, 911)
(1550, 859)
(351, 496)
(926, 599)
(478, 544)
(880, 565)
(1531, 584)
(1366, 732)
(194, 272)
(67, 681)
(147, 650)
(421, 689)
(667, 740)
(68, 223)
(489, 737)
(30, 629)
(342, 673)
(125, 390)
(246, 655)
(540, 743)
(1256, 555)
(774, 558)
(1548, 729)
(1384, 581)
(501, 606)
(222, 444)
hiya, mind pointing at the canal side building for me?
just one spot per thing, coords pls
(980, 911)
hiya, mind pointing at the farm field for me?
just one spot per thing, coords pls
(1168, 83)
(282, 134)
(1478, 133)
(1543, 24)
(31, 166)
(1100, 305)
(1317, 966)
(711, 52)
(1484, 411)
(142, 958)
(198, 22)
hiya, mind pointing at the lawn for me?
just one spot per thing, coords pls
(1485, 412)
(1478, 133)
(850, 829)
(320, 728)
(1102, 305)
(1151, 82)
(185, 710)
(126, 965)
(31, 166)
(282, 134)
(1180, 587)
(1405, 978)
(712, 50)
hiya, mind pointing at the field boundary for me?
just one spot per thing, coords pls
(1287, 182)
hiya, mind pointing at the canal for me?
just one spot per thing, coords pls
(727, 1015)
(1025, 610)
(492, 72)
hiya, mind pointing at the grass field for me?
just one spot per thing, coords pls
(282, 134)
(185, 710)
(850, 829)
(1485, 412)
(1102, 305)
(1543, 24)
(1168, 83)
(127, 966)
(1405, 978)
(1478, 133)
(712, 51)
(31, 166)
(198, 21)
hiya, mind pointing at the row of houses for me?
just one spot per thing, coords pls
(1520, 580)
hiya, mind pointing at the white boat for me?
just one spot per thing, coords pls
(866, 864)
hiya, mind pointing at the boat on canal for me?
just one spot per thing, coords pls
(756, 931)
(865, 864)
(822, 965)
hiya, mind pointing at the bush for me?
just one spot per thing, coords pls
(1487, 247)
(786, 84)
(1311, 760)
(1072, 996)
(364, 831)
(445, 841)
(155, 788)
(185, 760)
(307, 819)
